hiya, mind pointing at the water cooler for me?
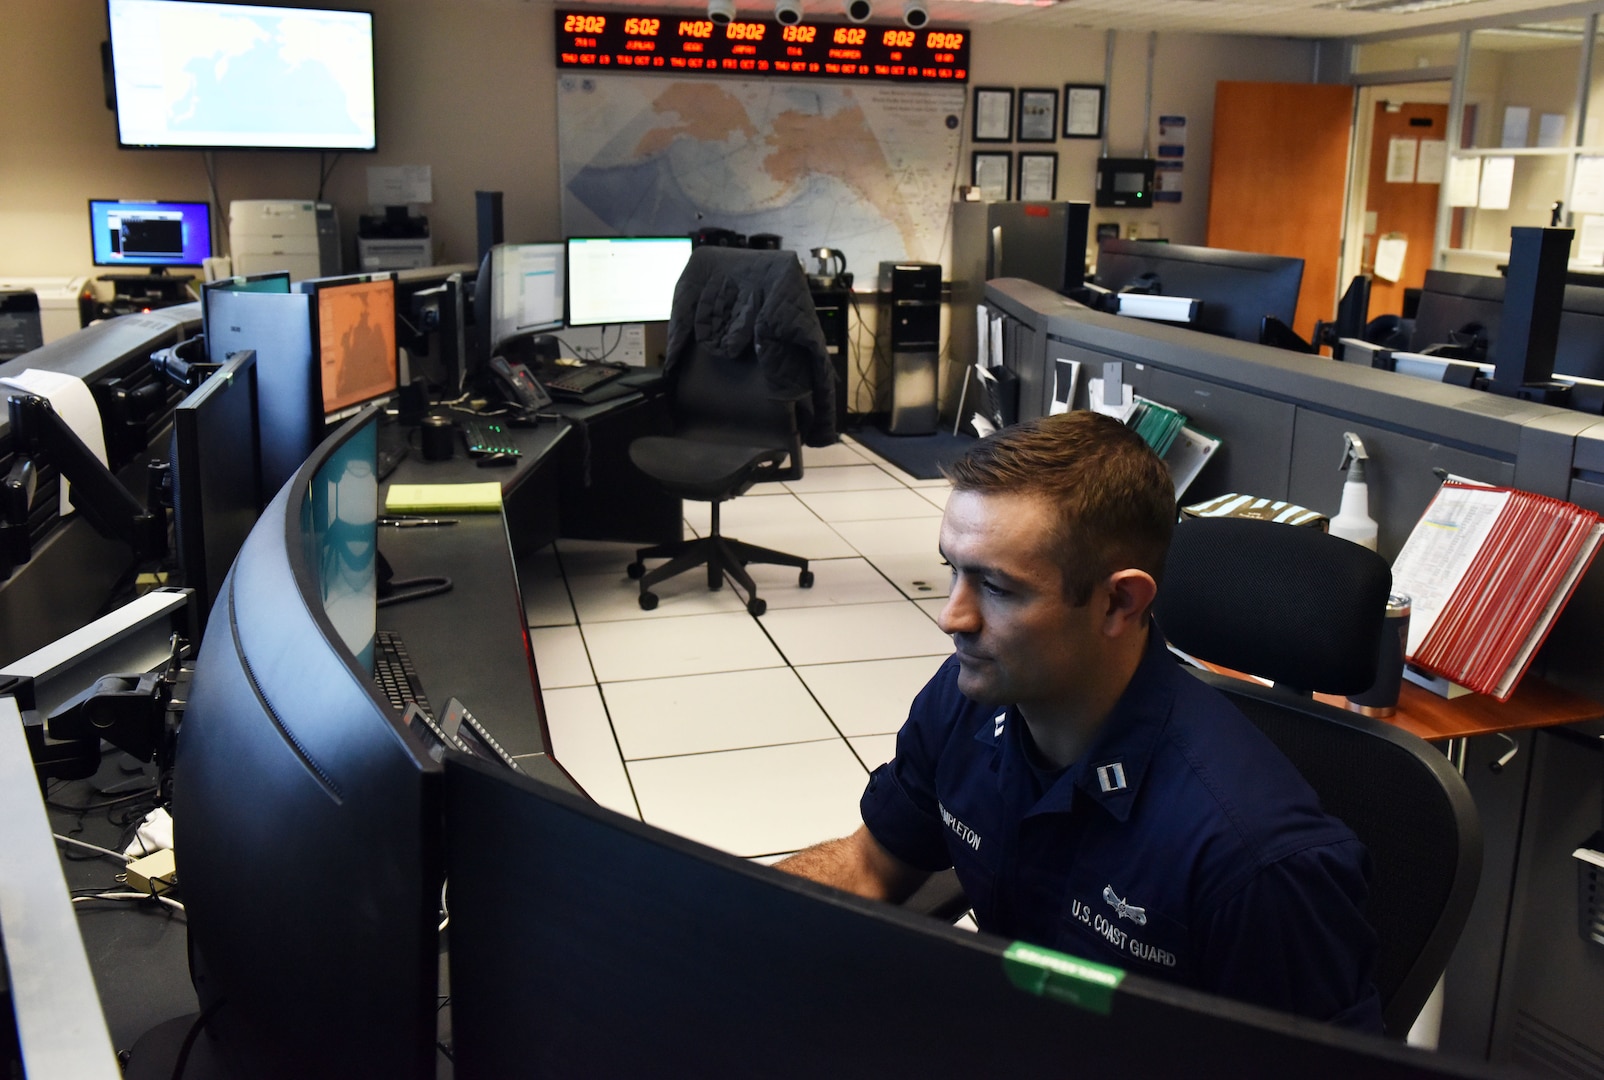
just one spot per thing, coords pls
(910, 325)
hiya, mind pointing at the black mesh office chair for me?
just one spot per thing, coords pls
(749, 382)
(1304, 609)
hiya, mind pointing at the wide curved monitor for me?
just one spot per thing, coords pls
(308, 816)
(1237, 288)
(606, 947)
(242, 76)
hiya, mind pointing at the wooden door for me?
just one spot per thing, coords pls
(1278, 181)
(1401, 209)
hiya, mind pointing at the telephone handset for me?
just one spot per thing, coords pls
(520, 387)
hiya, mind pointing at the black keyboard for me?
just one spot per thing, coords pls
(487, 437)
(577, 380)
(393, 671)
(389, 459)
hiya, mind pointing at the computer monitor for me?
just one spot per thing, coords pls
(1459, 311)
(278, 328)
(277, 281)
(216, 475)
(308, 815)
(1237, 288)
(585, 943)
(623, 280)
(1580, 349)
(242, 76)
(1353, 310)
(526, 291)
(146, 234)
(353, 331)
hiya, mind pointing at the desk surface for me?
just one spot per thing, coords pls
(1534, 704)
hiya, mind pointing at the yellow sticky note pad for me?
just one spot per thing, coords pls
(443, 498)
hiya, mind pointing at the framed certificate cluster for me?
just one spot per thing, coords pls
(1028, 115)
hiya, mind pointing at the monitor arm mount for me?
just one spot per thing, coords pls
(138, 713)
(38, 431)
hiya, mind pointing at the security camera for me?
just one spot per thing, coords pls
(721, 11)
(915, 13)
(788, 12)
(859, 10)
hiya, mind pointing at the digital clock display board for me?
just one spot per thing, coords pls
(610, 41)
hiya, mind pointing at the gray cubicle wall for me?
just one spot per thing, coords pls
(1281, 416)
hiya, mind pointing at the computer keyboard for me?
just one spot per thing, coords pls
(393, 671)
(486, 437)
(577, 380)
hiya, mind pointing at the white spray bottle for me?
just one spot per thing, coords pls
(1353, 520)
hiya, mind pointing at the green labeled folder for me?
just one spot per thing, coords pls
(443, 498)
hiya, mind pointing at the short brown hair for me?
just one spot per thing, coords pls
(1115, 498)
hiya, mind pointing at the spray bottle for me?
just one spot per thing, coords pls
(1353, 520)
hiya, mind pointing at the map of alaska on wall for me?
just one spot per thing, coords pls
(867, 169)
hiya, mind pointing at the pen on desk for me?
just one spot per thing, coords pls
(408, 522)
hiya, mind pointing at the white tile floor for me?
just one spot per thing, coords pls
(754, 735)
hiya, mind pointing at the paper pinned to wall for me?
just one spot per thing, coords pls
(1390, 252)
(1517, 125)
(1401, 160)
(1591, 246)
(1587, 187)
(1497, 180)
(1551, 129)
(1464, 181)
(399, 185)
(1433, 161)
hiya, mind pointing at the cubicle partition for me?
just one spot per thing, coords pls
(1523, 985)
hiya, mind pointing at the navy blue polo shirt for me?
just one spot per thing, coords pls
(1182, 845)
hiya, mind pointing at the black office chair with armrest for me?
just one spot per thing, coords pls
(1305, 610)
(748, 380)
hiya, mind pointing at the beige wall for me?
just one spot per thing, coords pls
(467, 87)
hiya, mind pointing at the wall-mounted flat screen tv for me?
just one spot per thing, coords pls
(241, 76)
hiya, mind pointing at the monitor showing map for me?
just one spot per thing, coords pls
(354, 334)
(218, 76)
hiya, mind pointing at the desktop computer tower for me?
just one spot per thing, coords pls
(910, 326)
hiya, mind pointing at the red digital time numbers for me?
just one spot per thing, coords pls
(800, 35)
(642, 27)
(745, 31)
(851, 35)
(584, 24)
(937, 39)
(696, 28)
(898, 39)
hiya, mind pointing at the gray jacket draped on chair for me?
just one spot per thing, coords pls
(745, 300)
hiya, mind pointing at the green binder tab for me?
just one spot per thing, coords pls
(1062, 977)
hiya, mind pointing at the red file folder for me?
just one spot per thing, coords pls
(1488, 570)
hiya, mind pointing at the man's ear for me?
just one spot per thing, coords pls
(1129, 594)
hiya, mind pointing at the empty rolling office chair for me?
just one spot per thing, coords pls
(1304, 609)
(748, 381)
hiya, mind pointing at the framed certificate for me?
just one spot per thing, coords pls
(1038, 116)
(992, 172)
(994, 114)
(1038, 176)
(1083, 111)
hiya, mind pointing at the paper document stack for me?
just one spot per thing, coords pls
(1488, 570)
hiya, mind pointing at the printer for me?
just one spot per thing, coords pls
(302, 237)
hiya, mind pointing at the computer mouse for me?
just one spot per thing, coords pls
(496, 461)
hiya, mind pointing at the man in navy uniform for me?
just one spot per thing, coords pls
(1092, 796)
